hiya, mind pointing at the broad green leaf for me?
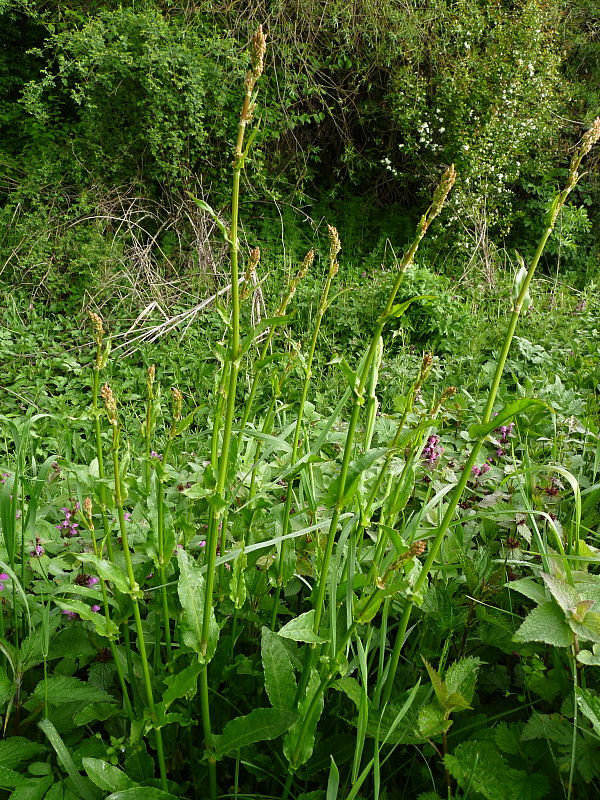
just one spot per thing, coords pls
(589, 703)
(61, 689)
(9, 779)
(104, 627)
(565, 595)
(530, 588)
(142, 793)
(97, 712)
(181, 684)
(552, 727)
(547, 624)
(301, 629)
(237, 580)
(16, 750)
(7, 687)
(33, 789)
(105, 776)
(481, 430)
(299, 743)
(461, 677)
(336, 494)
(589, 629)
(190, 589)
(399, 309)
(280, 681)
(258, 726)
(106, 570)
(431, 722)
(480, 766)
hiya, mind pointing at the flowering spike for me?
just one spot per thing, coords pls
(110, 403)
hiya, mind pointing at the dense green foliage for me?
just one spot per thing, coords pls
(332, 533)
(110, 116)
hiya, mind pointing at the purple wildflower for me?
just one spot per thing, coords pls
(95, 608)
(3, 577)
(202, 543)
(127, 516)
(38, 550)
(70, 614)
(93, 580)
(432, 451)
(505, 432)
(68, 526)
(156, 455)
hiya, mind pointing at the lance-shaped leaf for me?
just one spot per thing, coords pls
(301, 629)
(299, 743)
(280, 682)
(481, 430)
(258, 726)
(191, 591)
(106, 570)
(355, 470)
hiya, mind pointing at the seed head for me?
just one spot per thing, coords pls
(177, 403)
(441, 193)
(418, 548)
(96, 321)
(257, 55)
(87, 512)
(110, 403)
(150, 376)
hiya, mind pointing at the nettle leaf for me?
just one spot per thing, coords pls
(17, 750)
(280, 681)
(355, 470)
(9, 779)
(299, 743)
(190, 589)
(480, 430)
(589, 703)
(301, 629)
(551, 727)
(462, 676)
(105, 776)
(589, 628)
(591, 658)
(547, 624)
(565, 595)
(481, 767)
(431, 722)
(530, 588)
(258, 726)
(33, 789)
(61, 689)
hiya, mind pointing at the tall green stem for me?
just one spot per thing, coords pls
(523, 282)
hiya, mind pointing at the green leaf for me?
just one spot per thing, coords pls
(142, 793)
(565, 595)
(17, 749)
(336, 494)
(183, 684)
(481, 430)
(237, 581)
(462, 676)
(399, 309)
(190, 589)
(301, 629)
(257, 726)
(106, 570)
(105, 776)
(299, 743)
(104, 627)
(589, 703)
(482, 768)
(530, 588)
(280, 681)
(547, 624)
(431, 722)
(33, 789)
(85, 789)
(97, 712)
(61, 689)
(9, 778)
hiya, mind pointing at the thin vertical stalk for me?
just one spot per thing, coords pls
(134, 589)
(522, 299)
(334, 249)
(233, 360)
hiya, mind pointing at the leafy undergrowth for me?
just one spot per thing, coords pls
(495, 694)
